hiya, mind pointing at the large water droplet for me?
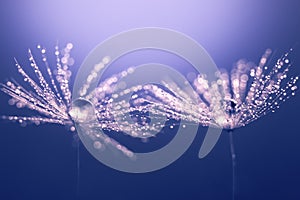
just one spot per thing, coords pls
(82, 111)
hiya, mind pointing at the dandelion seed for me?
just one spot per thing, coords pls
(234, 100)
(50, 96)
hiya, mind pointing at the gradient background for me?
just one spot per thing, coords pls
(40, 162)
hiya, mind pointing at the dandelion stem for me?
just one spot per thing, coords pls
(78, 169)
(233, 161)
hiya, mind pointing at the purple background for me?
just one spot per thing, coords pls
(40, 162)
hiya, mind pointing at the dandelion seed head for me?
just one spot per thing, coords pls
(236, 99)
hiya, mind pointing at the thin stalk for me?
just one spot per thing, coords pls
(233, 161)
(78, 169)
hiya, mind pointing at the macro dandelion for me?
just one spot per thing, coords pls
(49, 95)
(234, 100)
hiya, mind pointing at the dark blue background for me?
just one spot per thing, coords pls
(40, 162)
